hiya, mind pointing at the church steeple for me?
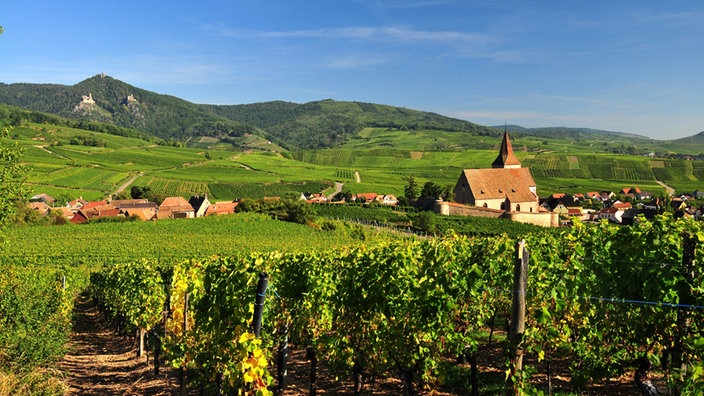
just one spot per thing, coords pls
(506, 158)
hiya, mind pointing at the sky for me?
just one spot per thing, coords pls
(628, 66)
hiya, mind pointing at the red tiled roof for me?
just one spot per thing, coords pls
(93, 204)
(175, 204)
(498, 183)
(220, 208)
(367, 196)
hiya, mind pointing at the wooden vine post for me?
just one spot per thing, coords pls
(685, 299)
(182, 370)
(259, 303)
(518, 317)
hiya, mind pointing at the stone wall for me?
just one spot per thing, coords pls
(545, 219)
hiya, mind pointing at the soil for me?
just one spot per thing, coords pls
(100, 362)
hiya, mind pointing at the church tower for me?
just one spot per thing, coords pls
(506, 158)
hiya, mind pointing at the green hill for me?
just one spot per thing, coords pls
(319, 124)
(121, 104)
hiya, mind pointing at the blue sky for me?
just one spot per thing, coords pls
(630, 66)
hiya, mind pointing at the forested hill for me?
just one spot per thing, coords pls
(567, 133)
(121, 104)
(328, 123)
(319, 124)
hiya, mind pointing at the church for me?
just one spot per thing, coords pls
(505, 190)
(506, 186)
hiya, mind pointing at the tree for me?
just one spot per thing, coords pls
(411, 189)
(448, 192)
(138, 192)
(431, 190)
(298, 211)
(12, 172)
(425, 221)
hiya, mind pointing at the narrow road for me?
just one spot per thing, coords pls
(670, 191)
(100, 362)
(126, 184)
(338, 188)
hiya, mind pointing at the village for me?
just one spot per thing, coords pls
(506, 190)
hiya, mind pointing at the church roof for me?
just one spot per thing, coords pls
(506, 157)
(500, 183)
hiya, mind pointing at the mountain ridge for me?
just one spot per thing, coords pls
(319, 124)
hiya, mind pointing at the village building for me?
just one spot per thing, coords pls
(221, 208)
(199, 204)
(505, 190)
(40, 207)
(46, 198)
(175, 208)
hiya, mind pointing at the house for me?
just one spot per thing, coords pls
(506, 186)
(142, 214)
(364, 197)
(175, 208)
(199, 204)
(606, 195)
(80, 217)
(622, 205)
(39, 206)
(317, 198)
(76, 204)
(65, 212)
(93, 204)
(221, 208)
(594, 195)
(386, 199)
(47, 199)
(559, 208)
(125, 203)
(614, 213)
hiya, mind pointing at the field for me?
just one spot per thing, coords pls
(177, 239)
(383, 159)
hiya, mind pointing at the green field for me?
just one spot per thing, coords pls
(383, 158)
(99, 243)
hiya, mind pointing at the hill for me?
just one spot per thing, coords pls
(105, 99)
(569, 133)
(319, 124)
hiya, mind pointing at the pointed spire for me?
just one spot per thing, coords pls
(506, 158)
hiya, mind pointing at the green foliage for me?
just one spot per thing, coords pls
(12, 172)
(431, 190)
(35, 314)
(134, 291)
(425, 221)
(298, 211)
(411, 189)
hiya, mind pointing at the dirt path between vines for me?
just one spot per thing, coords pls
(101, 363)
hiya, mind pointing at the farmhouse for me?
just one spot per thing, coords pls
(175, 208)
(505, 190)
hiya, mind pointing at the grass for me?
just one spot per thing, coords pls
(384, 159)
(168, 239)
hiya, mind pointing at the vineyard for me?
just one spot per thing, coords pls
(601, 301)
(36, 303)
